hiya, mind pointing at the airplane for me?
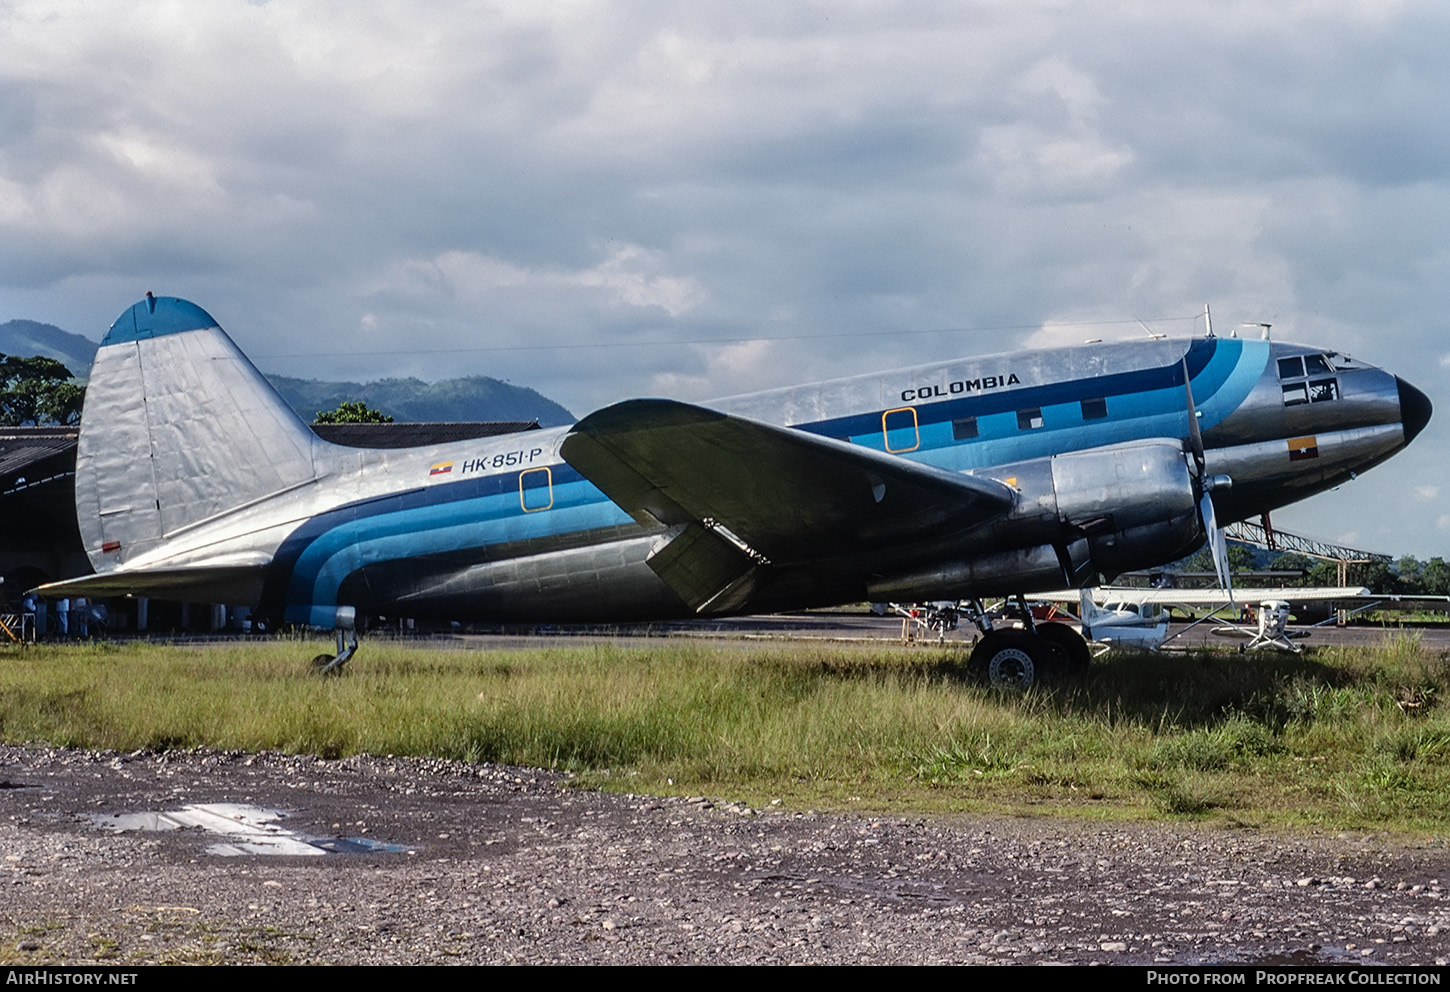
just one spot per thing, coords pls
(989, 476)
(1123, 623)
(1138, 618)
(1273, 629)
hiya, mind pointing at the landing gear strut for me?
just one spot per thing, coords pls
(346, 624)
(1018, 658)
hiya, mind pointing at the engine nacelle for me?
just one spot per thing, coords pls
(1135, 504)
(1081, 518)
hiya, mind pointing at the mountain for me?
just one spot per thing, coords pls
(31, 337)
(476, 397)
(473, 398)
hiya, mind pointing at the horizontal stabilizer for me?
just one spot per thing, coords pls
(231, 583)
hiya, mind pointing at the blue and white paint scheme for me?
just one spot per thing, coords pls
(997, 475)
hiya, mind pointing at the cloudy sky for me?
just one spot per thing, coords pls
(685, 199)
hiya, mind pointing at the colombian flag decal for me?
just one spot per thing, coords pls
(441, 468)
(1303, 448)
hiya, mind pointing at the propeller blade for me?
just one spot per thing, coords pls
(1217, 544)
(1195, 437)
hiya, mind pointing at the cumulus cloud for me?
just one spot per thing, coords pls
(602, 200)
(628, 275)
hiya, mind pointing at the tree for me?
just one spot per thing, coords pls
(1409, 569)
(38, 390)
(1291, 561)
(1240, 558)
(1435, 578)
(1323, 573)
(1376, 577)
(352, 412)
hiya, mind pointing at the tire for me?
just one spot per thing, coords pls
(1072, 649)
(1012, 659)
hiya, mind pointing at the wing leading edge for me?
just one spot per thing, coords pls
(739, 495)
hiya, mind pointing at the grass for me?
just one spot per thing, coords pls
(1339, 739)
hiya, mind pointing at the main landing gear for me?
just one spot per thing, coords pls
(346, 624)
(1018, 658)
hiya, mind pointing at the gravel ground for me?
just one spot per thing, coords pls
(506, 865)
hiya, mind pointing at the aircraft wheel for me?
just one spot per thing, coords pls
(320, 663)
(1072, 649)
(1012, 659)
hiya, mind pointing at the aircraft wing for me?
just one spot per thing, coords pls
(783, 495)
(1216, 597)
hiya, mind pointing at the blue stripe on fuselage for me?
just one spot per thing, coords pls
(1140, 403)
(314, 561)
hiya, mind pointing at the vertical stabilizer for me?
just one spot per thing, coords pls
(1090, 612)
(178, 427)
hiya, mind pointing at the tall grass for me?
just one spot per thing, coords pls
(1338, 738)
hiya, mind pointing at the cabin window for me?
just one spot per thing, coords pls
(1317, 365)
(1291, 367)
(964, 429)
(536, 489)
(1094, 408)
(1029, 419)
(899, 430)
(1296, 393)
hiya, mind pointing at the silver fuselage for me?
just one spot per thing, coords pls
(1090, 441)
(568, 554)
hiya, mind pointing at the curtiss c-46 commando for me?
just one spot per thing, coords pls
(996, 476)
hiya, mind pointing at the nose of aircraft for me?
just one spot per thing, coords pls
(1415, 409)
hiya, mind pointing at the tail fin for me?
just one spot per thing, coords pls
(178, 426)
(1090, 612)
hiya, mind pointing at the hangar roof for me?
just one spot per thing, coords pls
(24, 446)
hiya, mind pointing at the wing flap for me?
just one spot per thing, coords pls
(706, 570)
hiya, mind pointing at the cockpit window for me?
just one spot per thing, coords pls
(1343, 363)
(1308, 379)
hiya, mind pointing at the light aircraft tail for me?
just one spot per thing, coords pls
(1090, 612)
(178, 427)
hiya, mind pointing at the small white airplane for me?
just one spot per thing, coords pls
(1273, 630)
(1123, 623)
(1138, 618)
(997, 476)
